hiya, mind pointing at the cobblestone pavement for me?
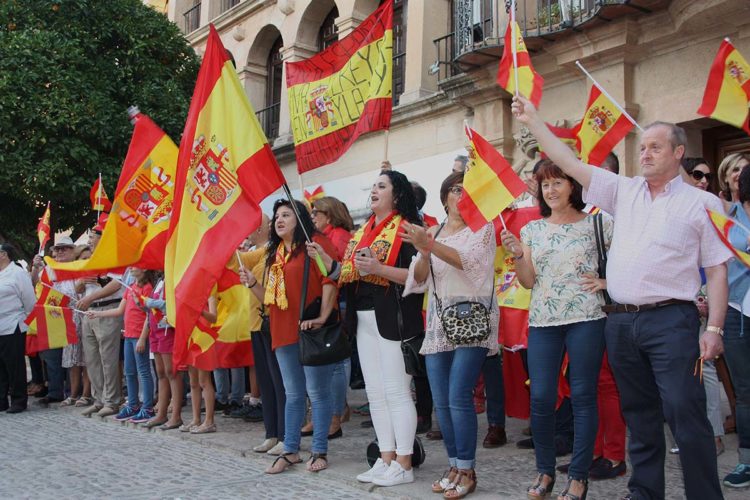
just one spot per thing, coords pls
(56, 453)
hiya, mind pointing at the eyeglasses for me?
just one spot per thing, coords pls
(699, 175)
(457, 190)
(316, 211)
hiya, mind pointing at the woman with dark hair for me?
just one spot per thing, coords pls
(285, 262)
(736, 328)
(698, 171)
(16, 302)
(557, 259)
(373, 273)
(455, 265)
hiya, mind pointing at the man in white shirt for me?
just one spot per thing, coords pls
(662, 236)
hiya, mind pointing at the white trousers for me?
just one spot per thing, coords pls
(388, 386)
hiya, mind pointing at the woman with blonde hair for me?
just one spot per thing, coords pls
(729, 177)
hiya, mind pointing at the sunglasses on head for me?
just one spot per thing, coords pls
(699, 175)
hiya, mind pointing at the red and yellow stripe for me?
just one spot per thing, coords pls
(490, 184)
(222, 145)
(727, 93)
(602, 128)
(43, 228)
(530, 83)
(342, 92)
(723, 225)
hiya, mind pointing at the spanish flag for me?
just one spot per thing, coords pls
(530, 83)
(43, 229)
(342, 92)
(51, 322)
(317, 194)
(723, 225)
(727, 93)
(567, 136)
(135, 233)
(490, 184)
(99, 199)
(602, 128)
(226, 343)
(225, 168)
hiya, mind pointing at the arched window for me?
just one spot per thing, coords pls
(329, 32)
(269, 116)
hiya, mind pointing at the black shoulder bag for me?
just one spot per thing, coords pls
(413, 361)
(325, 345)
(601, 251)
(466, 322)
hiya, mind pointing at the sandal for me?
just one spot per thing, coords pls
(168, 427)
(445, 482)
(538, 491)
(70, 401)
(285, 462)
(460, 488)
(569, 496)
(203, 429)
(84, 401)
(154, 423)
(317, 462)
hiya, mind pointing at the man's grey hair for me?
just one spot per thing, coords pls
(463, 159)
(677, 135)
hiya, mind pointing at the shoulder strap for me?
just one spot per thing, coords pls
(305, 279)
(432, 274)
(599, 235)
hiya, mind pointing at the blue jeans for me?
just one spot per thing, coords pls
(737, 356)
(298, 379)
(453, 376)
(584, 343)
(55, 373)
(494, 389)
(221, 377)
(339, 384)
(138, 374)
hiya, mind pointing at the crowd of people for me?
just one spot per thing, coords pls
(638, 316)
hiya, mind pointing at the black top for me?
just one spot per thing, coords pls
(386, 301)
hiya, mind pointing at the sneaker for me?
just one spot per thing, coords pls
(378, 469)
(276, 450)
(739, 477)
(126, 413)
(91, 410)
(232, 406)
(395, 475)
(144, 415)
(254, 414)
(265, 445)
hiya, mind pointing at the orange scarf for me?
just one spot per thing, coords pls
(384, 242)
(276, 288)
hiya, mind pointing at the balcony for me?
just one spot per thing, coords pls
(192, 18)
(479, 27)
(269, 120)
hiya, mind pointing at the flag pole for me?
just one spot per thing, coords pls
(99, 198)
(55, 289)
(318, 259)
(622, 110)
(514, 42)
(385, 135)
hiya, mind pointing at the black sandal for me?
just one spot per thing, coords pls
(569, 496)
(284, 457)
(537, 491)
(314, 458)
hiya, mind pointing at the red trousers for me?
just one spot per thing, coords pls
(610, 440)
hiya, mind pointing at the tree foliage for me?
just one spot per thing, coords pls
(69, 69)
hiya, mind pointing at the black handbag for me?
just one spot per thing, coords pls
(414, 363)
(325, 345)
(466, 322)
(601, 251)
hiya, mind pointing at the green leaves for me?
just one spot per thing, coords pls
(69, 69)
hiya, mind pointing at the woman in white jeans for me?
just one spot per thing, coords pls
(373, 272)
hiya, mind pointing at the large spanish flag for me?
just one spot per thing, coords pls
(99, 199)
(490, 184)
(723, 225)
(136, 231)
(602, 128)
(226, 343)
(225, 169)
(530, 83)
(43, 229)
(727, 93)
(342, 92)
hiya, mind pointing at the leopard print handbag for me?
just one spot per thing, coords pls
(465, 322)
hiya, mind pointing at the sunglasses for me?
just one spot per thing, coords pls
(316, 211)
(698, 175)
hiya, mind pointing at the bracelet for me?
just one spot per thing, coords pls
(715, 329)
(253, 285)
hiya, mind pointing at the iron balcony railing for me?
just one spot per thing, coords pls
(269, 120)
(192, 18)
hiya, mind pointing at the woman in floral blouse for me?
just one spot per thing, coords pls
(558, 260)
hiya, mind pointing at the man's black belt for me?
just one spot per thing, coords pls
(632, 308)
(104, 303)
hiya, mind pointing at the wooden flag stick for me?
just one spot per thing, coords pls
(318, 259)
(385, 153)
(98, 198)
(55, 289)
(514, 42)
(622, 110)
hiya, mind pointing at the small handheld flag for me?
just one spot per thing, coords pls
(43, 230)
(727, 93)
(99, 199)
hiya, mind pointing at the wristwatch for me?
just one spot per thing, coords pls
(716, 330)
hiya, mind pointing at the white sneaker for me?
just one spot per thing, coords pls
(266, 445)
(377, 471)
(394, 475)
(277, 450)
